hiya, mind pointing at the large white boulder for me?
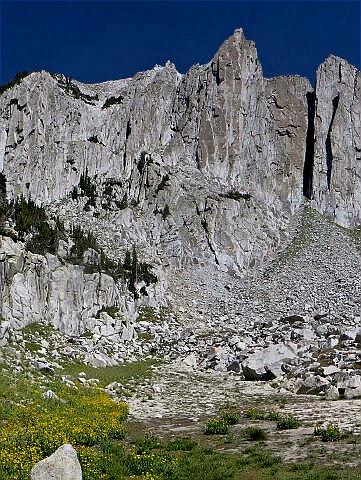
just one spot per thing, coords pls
(266, 364)
(63, 464)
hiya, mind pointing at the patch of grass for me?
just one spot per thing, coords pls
(288, 422)
(32, 346)
(95, 425)
(40, 329)
(152, 315)
(121, 373)
(146, 444)
(330, 433)
(196, 464)
(299, 242)
(260, 457)
(231, 417)
(255, 434)
(220, 425)
(148, 314)
(216, 426)
(184, 444)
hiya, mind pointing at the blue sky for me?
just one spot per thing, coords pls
(99, 40)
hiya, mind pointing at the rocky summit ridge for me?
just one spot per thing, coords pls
(179, 194)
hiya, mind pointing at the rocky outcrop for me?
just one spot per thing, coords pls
(337, 171)
(267, 364)
(36, 288)
(209, 168)
(63, 464)
(225, 148)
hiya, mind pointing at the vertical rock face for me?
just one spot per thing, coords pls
(36, 288)
(337, 161)
(224, 152)
(204, 168)
(53, 132)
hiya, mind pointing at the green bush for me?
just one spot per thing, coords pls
(112, 101)
(146, 444)
(135, 271)
(4, 205)
(28, 216)
(288, 423)
(165, 212)
(46, 239)
(255, 434)
(216, 426)
(82, 242)
(260, 457)
(72, 89)
(144, 162)
(31, 223)
(87, 188)
(330, 433)
(235, 195)
(229, 416)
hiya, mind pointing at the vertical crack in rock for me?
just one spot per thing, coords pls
(216, 72)
(310, 145)
(205, 228)
(127, 135)
(198, 160)
(328, 144)
(204, 225)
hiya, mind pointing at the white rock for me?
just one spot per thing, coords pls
(330, 370)
(258, 366)
(49, 394)
(63, 464)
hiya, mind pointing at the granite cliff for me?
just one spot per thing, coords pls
(209, 169)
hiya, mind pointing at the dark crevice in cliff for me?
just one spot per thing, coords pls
(310, 146)
(205, 228)
(204, 225)
(127, 135)
(328, 143)
(216, 73)
(198, 160)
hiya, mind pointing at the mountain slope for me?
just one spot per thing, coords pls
(207, 169)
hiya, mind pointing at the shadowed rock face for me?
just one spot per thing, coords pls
(210, 165)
